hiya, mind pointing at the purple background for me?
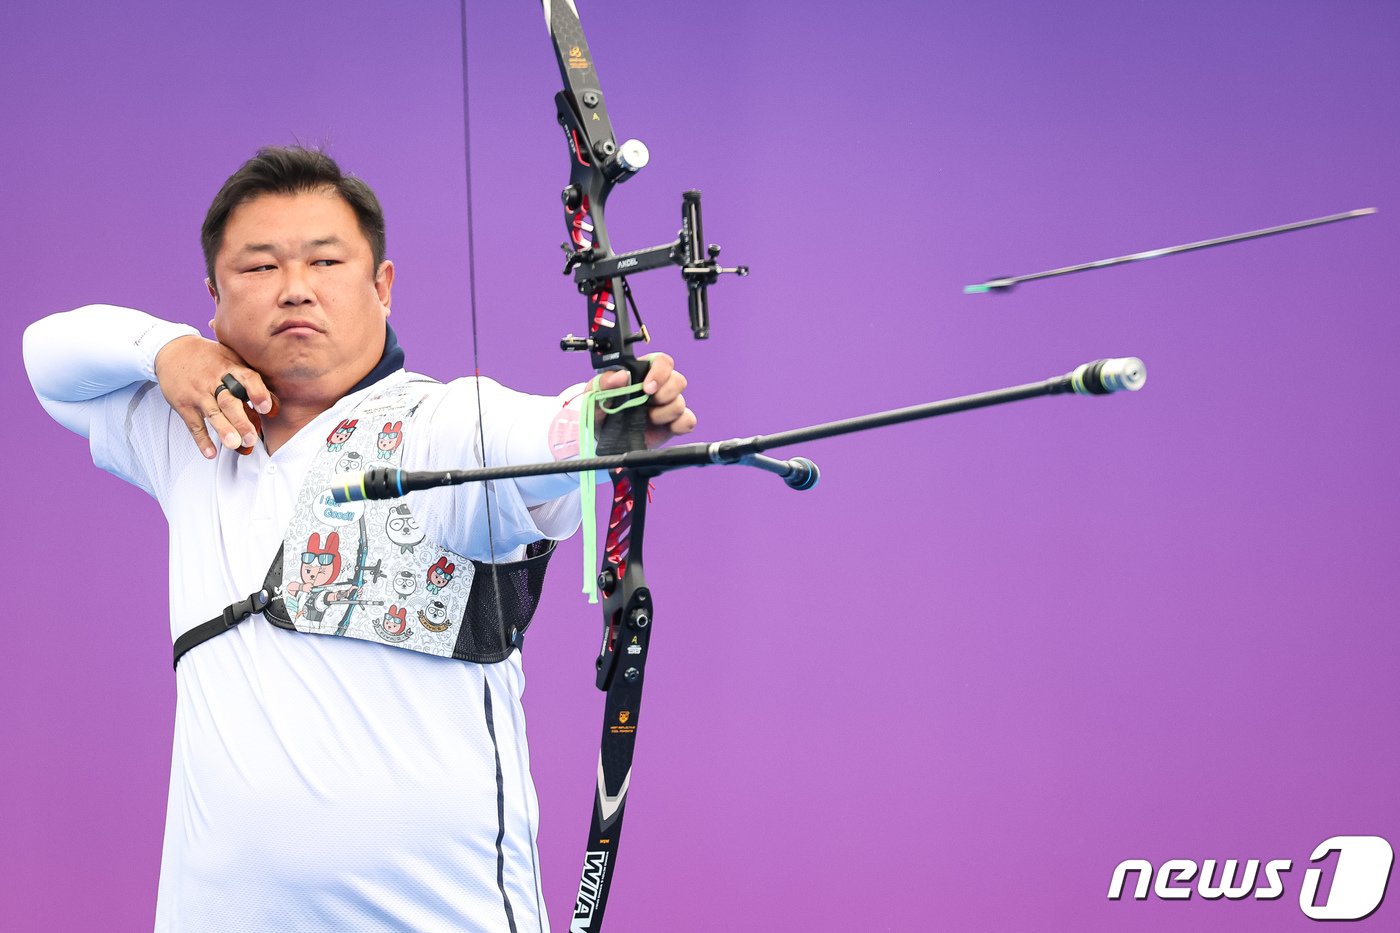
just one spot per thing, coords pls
(989, 657)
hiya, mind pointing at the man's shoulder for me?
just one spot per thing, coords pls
(461, 400)
(417, 386)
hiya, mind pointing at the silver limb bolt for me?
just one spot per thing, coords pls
(633, 156)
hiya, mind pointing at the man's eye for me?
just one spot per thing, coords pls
(262, 268)
(326, 262)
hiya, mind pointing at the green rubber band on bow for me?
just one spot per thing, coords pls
(587, 480)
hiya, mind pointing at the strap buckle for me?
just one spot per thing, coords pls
(244, 608)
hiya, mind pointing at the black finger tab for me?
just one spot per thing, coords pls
(234, 386)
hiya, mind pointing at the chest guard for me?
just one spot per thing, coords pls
(366, 569)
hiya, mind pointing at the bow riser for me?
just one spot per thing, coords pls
(611, 330)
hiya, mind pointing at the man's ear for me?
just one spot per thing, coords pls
(213, 293)
(384, 283)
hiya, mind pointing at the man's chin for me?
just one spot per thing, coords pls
(292, 379)
(308, 379)
(301, 373)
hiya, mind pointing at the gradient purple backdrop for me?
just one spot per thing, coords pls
(990, 656)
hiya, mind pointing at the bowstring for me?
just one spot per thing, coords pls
(476, 371)
(471, 304)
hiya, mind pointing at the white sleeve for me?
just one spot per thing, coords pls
(93, 370)
(517, 429)
(547, 430)
(75, 357)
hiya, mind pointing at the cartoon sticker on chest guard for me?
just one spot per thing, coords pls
(320, 565)
(440, 575)
(404, 584)
(394, 625)
(402, 529)
(390, 437)
(341, 433)
(433, 616)
(352, 462)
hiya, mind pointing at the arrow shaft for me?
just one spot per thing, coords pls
(1003, 284)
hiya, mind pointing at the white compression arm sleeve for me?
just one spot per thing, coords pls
(77, 356)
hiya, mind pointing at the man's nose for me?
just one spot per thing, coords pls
(296, 286)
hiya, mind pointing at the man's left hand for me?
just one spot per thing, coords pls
(667, 416)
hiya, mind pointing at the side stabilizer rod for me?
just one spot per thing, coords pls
(1101, 377)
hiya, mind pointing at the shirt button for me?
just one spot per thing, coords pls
(270, 469)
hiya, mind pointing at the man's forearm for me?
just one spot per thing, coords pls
(76, 356)
(547, 430)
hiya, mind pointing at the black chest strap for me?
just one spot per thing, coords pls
(231, 616)
(491, 630)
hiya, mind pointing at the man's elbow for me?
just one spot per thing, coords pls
(42, 345)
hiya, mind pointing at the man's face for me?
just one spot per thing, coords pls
(297, 294)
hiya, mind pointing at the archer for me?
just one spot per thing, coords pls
(320, 781)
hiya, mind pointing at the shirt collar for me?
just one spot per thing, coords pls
(390, 361)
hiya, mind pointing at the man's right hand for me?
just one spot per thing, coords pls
(190, 371)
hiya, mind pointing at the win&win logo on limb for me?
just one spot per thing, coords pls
(1357, 881)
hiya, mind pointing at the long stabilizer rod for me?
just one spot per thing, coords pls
(1008, 282)
(1101, 377)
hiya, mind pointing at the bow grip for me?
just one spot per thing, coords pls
(626, 430)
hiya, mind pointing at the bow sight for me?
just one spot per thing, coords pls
(699, 272)
(597, 164)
